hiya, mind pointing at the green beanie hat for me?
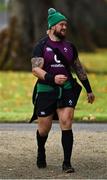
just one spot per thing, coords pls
(54, 17)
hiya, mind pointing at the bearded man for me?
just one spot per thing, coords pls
(52, 61)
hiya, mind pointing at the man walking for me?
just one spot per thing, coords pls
(52, 60)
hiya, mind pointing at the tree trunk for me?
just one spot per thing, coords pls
(27, 24)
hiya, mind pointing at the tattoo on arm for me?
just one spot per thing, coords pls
(37, 62)
(79, 69)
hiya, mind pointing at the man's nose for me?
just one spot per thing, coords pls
(64, 27)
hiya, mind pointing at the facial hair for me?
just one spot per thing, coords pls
(59, 35)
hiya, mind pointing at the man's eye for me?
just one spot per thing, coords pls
(63, 24)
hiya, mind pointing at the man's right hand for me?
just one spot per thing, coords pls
(60, 79)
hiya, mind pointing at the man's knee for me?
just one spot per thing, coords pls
(43, 131)
(66, 123)
(44, 125)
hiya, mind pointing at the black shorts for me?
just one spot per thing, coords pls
(48, 102)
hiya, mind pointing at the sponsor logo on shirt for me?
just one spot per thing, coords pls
(56, 60)
(57, 65)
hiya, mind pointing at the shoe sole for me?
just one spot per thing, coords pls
(68, 171)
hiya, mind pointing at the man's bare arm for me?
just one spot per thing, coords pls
(79, 69)
(37, 65)
(81, 73)
(37, 62)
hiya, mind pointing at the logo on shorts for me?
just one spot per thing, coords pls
(70, 102)
(42, 113)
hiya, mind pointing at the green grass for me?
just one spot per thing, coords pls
(96, 111)
(95, 62)
(16, 91)
(15, 97)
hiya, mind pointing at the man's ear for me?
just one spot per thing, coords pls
(53, 27)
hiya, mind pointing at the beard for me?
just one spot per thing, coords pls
(59, 35)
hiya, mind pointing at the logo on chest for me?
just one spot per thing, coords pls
(56, 59)
(65, 49)
(57, 62)
(48, 49)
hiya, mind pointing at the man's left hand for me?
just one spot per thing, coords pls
(90, 97)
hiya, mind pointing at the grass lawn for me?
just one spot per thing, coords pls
(16, 91)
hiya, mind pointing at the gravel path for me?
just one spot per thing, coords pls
(18, 155)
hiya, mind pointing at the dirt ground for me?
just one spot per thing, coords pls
(18, 156)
